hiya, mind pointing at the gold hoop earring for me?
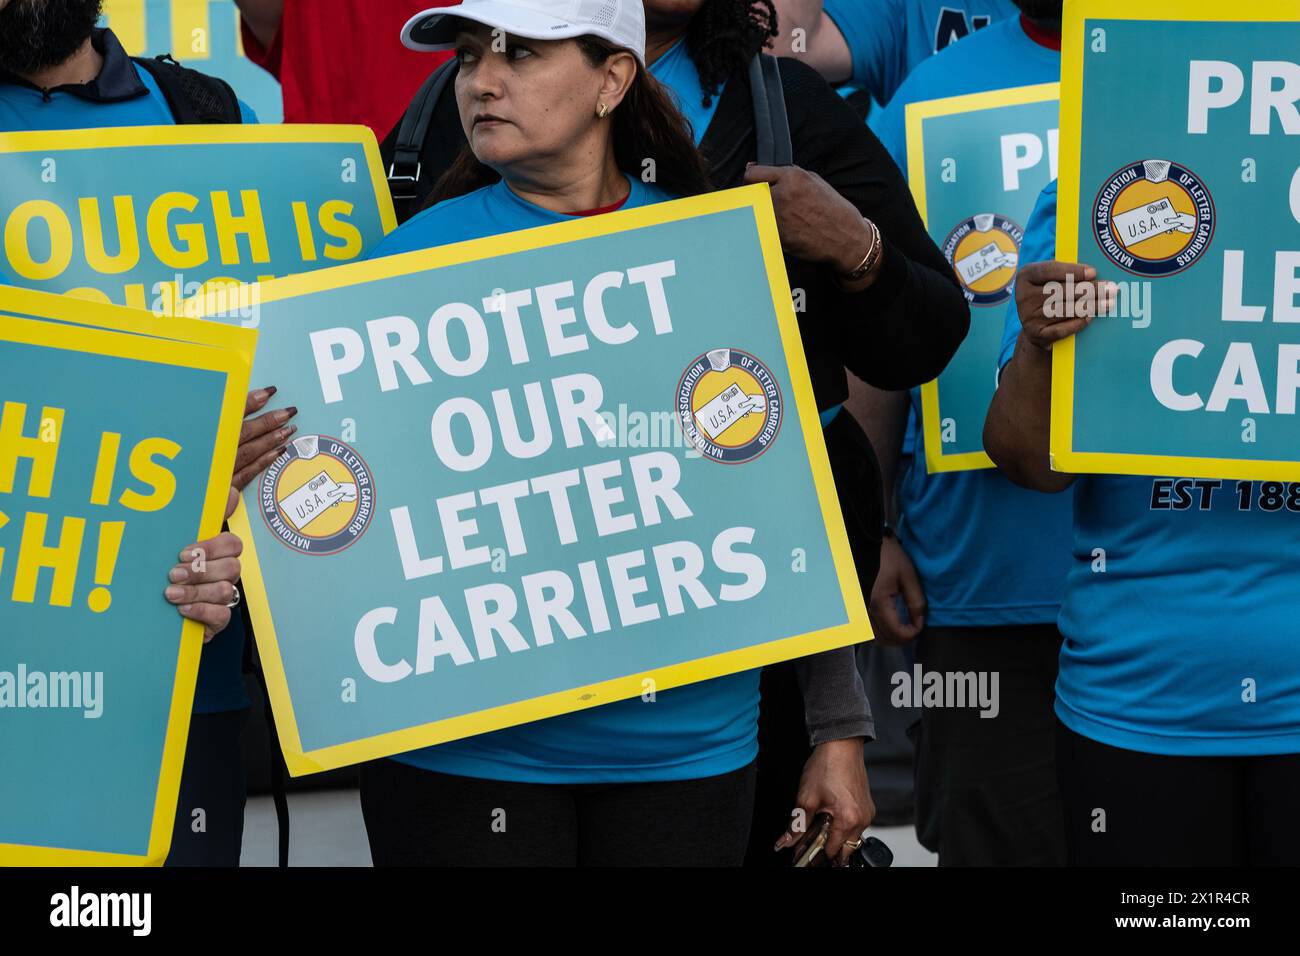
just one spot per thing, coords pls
(602, 111)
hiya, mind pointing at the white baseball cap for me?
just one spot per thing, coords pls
(621, 22)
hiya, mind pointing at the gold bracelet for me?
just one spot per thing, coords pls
(872, 257)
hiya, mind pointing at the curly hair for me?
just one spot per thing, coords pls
(724, 35)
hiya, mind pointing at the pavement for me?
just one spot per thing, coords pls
(326, 830)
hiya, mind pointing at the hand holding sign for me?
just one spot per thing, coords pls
(1058, 299)
(262, 438)
(203, 582)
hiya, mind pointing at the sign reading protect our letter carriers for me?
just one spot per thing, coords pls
(539, 472)
(1180, 182)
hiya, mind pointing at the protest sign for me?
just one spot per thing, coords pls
(201, 34)
(116, 450)
(539, 472)
(976, 164)
(148, 216)
(1186, 193)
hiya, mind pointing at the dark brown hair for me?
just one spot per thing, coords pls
(647, 125)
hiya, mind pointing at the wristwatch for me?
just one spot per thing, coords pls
(869, 261)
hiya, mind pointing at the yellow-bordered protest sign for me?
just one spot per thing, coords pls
(146, 216)
(100, 787)
(975, 202)
(741, 315)
(1176, 186)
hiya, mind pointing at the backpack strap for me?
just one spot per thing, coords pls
(193, 97)
(771, 122)
(404, 173)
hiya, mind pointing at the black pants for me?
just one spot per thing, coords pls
(418, 817)
(782, 751)
(209, 827)
(986, 787)
(1126, 808)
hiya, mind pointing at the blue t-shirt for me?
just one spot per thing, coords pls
(699, 730)
(988, 552)
(125, 95)
(887, 39)
(676, 70)
(1181, 601)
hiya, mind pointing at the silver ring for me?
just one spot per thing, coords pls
(234, 602)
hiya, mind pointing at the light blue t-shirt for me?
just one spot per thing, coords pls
(125, 95)
(699, 730)
(1184, 641)
(887, 39)
(988, 552)
(676, 70)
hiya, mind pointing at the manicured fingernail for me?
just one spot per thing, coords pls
(174, 594)
(285, 433)
(185, 608)
(178, 574)
(270, 390)
(293, 410)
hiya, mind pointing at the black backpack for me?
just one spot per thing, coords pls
(404, 147)
(193, 97)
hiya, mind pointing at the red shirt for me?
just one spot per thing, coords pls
(342, 61)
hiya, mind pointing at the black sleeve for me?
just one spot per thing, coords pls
(903, 330)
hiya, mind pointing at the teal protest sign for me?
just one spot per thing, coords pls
(976, 164)
(149, 216)
(1185, 193)
(101, 486)
(201, 34)
(539, 472)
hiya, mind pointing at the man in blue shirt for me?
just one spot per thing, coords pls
(57, 71)
(1178, 701)
(979, 563)
(875, 44)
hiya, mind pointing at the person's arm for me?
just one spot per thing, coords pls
(262, 17)
(906, 324)
(821, 44)
(834, 699)
(883, 416)
(1018, 426)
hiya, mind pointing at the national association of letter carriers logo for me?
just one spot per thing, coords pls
(729, 405)
(318, 497)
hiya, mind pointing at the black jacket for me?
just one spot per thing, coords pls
(901, 331)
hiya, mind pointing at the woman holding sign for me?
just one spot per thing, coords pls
(894, 328)
(1178, 700)
(563, 122)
